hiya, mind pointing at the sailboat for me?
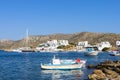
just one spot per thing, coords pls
(26, 48)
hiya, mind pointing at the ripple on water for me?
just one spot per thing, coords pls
(26, 66)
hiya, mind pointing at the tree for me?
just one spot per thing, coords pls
(105, 49)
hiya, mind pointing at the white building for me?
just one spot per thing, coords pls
(63, 42)
(117, 43)
(103, 45)
(51, 45)
(82, 45)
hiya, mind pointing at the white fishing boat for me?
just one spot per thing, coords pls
(58, 64)
(91, 51)
(16, 50)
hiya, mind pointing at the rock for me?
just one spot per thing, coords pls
(118, 78)
(117, 70)
(92, 77)
(118, 67)
(110, 74)
(108, 62)
(109, 70)
(97, 75)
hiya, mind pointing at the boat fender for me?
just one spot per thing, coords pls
(78, 60)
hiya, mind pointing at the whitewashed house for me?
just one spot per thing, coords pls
(103, 45)
(63, 42)
(51, 46)
(53, 43)
(117, 43)
(82, 45)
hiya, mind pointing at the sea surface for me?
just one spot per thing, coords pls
(26, 66)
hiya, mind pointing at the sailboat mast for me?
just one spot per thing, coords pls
(27, 38)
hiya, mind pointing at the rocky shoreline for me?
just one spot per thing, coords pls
(108, 70)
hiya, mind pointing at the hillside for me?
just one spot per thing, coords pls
(92, 38)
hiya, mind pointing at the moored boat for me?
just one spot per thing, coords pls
(27, 49)
(115, 53)
(91, 51)
(23, 49)
(58, 64)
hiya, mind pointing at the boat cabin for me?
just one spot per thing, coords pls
(91, 48)
(55, 61)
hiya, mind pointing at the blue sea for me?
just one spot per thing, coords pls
(26, 66)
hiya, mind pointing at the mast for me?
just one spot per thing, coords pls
(27, 38)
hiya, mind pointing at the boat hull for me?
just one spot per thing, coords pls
(61, 67)
(28, 51)
(91, 53)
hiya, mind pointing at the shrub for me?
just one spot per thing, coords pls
(105, 49)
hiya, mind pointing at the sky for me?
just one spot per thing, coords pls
(43, 17)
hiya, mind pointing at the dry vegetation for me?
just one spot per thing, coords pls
(92, 38)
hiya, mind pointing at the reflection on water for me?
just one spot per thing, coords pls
(63, 74)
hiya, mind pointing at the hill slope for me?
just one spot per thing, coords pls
(92, 38)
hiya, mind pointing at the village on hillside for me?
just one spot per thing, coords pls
(64, 45)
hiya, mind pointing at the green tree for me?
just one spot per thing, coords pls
(105, 49)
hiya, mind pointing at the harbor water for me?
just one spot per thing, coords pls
(26, 66)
